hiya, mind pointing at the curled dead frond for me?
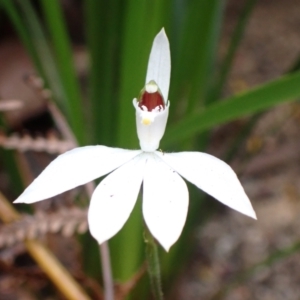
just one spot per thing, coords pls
(66, 221)
(23, 143)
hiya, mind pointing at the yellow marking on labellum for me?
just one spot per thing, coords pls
(146, 121)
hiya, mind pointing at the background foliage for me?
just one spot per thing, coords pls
(118, 36)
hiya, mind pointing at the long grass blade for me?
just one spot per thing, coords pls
(194, 64)
(22, 30)
(281, 90)
(65, 65)
(48, 64)
(234, 43)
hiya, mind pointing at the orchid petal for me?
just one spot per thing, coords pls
(74, 168)
(213, 176)
(165, 201)
(159, 65)
(114, 199)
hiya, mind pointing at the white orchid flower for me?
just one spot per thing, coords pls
(165, 194)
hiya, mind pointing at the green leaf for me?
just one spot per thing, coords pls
(193, 68)
(22, 30)
(141, 24)
(234, 43)
(65, 65)
(103, 20)
(284, 89)
(42, 49)
(32, 34)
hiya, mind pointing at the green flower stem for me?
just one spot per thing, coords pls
(153, 265)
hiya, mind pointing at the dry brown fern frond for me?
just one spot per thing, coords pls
(66, 221)
(23, 143)
(10, 104)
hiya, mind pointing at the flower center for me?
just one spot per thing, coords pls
(151, 97)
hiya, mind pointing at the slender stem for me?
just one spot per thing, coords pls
(108, 285)
(106, 272)
(153, 266)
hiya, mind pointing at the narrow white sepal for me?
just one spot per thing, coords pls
(114, 199)
(213, 176)
(159, 65)
(150, 135)
(74, 168)
(165, 201)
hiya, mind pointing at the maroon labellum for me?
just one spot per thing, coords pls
(151, 97)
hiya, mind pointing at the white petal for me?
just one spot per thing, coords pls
(114, 199)
(213, 176)
(165, 201)
(74, 168)
(159, 65)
